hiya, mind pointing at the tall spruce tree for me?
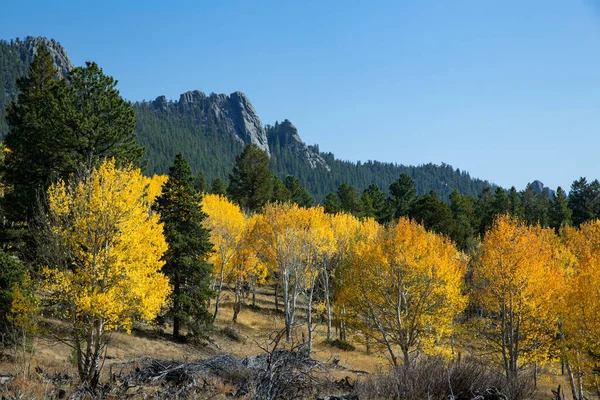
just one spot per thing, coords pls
(28, 164)
(403, 196)
(561, 213)
(189, 247)
(219, 187)
(298, 193)
(250, 182)
(58, 129)
(584, 200)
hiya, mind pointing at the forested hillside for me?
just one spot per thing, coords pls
(210, 143)
(211, 130)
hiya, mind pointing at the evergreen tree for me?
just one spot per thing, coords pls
(29, 162)
(403, 196)
(299, 194)
(280, 193)
(561, 213)
(515, 206)
(349, 199)
(433, 214)
(219, 187)
(200, 183)
(332, 204)
(250, 182)
(584, 200)
(500, 205)
(484, 210)
(536, 206)
(462, 212)
(189, 247)
(59, 129)
(375, 204)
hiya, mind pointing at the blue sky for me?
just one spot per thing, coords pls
(507, 90)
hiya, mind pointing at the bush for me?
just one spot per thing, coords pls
(432, 378)
(233, 334)
(340, 344)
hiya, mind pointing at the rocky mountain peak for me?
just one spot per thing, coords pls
(59, 55)
(287, 135)
(539, 188)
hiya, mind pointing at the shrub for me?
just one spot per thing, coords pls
(341, 344)
(233, 334)
(433, 378)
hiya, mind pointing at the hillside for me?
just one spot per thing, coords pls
(212, 130)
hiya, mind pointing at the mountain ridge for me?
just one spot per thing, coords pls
(212, 130)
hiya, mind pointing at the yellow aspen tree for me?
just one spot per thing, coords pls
(346, 229)
(407, 282)
(246, 266)
(518, 283)
(227, 224)
(103, 256)
(319, 246)
(154, 186)
(580, 322)
(281, 242)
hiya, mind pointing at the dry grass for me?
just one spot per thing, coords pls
(253, 325)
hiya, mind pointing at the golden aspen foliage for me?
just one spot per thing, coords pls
(104, 251)
(226, 224)
(518, 283)
(580, 322)
(406, 282)
(155, 184)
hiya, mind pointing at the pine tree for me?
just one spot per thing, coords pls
(189, 248)
(332, 205)
(349, 199)
(219, 187)
(584, 200)
(200, 183)
(403, 195)
(250, 182)
(375, 204)
(280, 193)
(28, 165)
(59, 129)
(299, 194)
(561, 213)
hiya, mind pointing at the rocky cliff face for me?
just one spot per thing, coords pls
(234, 112)
(287, 135)
(62, 62)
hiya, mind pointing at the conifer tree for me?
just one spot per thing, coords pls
(403, 195)
(189, 248)
(250, 182)
(219, 187)
(561, 213)
(200, 183)
(298, 193)
(58, 129)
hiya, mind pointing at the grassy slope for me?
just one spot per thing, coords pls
(254, 326)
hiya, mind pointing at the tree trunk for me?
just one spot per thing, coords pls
(328, 302)
(219, 290)
(571, 378)
(237, 306)
(176, 309)
(309, 319)
(254, 294)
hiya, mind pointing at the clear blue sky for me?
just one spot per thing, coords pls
(507, 90)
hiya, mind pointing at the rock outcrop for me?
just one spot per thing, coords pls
(234, 112)
(287, 135)
(62, 62)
